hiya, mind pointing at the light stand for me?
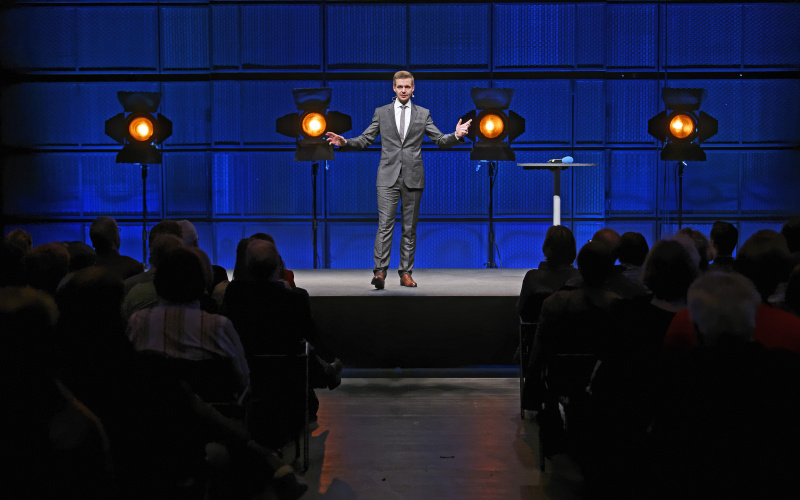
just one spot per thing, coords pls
(680, 165)
(314, 222)
(492, 169)
(144, 214)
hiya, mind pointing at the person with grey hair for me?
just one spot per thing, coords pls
(192, 240)
(104, 233)
(723, 304)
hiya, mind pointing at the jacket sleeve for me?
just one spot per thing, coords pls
(441, 140)
(367, 137)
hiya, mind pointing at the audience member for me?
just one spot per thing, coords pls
(559, 253)
(178, 328)
(104, 234)
(12, 265)
(46, 265)
(700, 242)
(159, 431)
(21, 239)
(724, 238)
(631, 252)
(192, 240)
(792, 296)
(143, 295)
(54, 447)
(164, 227)
(764, 259)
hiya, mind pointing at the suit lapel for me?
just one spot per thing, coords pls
(390, 110)
(413, 118)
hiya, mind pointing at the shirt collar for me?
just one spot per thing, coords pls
(397, 104)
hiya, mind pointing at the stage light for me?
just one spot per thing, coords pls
(682, 127)
(493, 129)
(309, 126)
(137, 128)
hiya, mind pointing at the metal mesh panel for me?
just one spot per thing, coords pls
(772, 107)
(226, 113)
(590, 39)
(118, 37)
(633, 176)
(264, 101)
(188, 105)
(184, 38)
(294, 241)
(352, 245)
(632, 32)
(718, 29)
(41, 184)
(630, 105)
(590, 183)
(453, 186)
(520, 244)
(130, 240)
(226, 190)
(748, 229)
(35, 113)
(530, 192)
(771, 35)
(769, 182)
(351, 184)
(451, 245)
(542, 98)
(584, 230)
(357, 36)
(713, 185)
(225, 37)
(116, 188)
(447, 36)
(447, 100)
(186, 179)
(534, 36)
(226, 238)
(281, 36)
(39, 38)
(590, 111)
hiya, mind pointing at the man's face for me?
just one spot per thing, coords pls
(403, 87)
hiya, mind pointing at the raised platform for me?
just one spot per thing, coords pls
(454, 318)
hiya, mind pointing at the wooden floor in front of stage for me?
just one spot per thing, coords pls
(430, 439)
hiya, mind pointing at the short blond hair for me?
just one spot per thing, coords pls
(402, 74)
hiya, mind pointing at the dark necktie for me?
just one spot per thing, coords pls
(403, 123)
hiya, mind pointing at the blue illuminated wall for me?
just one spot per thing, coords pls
(587, 77)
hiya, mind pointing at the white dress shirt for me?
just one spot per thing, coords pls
(397, 111)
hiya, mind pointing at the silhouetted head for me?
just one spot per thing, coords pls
(263, 260)
(764, 258)
(700, 243)
(46, 265)
(669, 270)
(596, 262)
(724, 237)
(559, 246)
(104, 233)
(723, 304)
(791, 232)
(190, 237)
(21, 239)
(180, 277)
(632, 249)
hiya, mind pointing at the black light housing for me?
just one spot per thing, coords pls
(682, 127)
(310, 125)
(138, 128)
(493, 129)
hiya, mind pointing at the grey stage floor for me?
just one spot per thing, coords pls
(432, 282)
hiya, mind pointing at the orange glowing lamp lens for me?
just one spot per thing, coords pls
(141, 129)
(681, 126)
(313, 124)
(491, 126)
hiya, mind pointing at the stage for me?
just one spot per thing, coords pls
(454, 318)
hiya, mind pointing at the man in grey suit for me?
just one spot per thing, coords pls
(401, 177)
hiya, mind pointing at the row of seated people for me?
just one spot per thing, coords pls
(181, 323)
(686, 390)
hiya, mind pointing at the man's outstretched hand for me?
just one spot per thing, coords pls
(461, 128)
(336, 140)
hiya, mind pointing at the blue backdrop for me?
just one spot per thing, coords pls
(587, 77)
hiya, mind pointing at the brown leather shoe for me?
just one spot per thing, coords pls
(405, 280)
(379, 280)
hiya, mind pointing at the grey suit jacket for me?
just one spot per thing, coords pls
(407, 154)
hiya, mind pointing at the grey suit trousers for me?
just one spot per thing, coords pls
(388, 198)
